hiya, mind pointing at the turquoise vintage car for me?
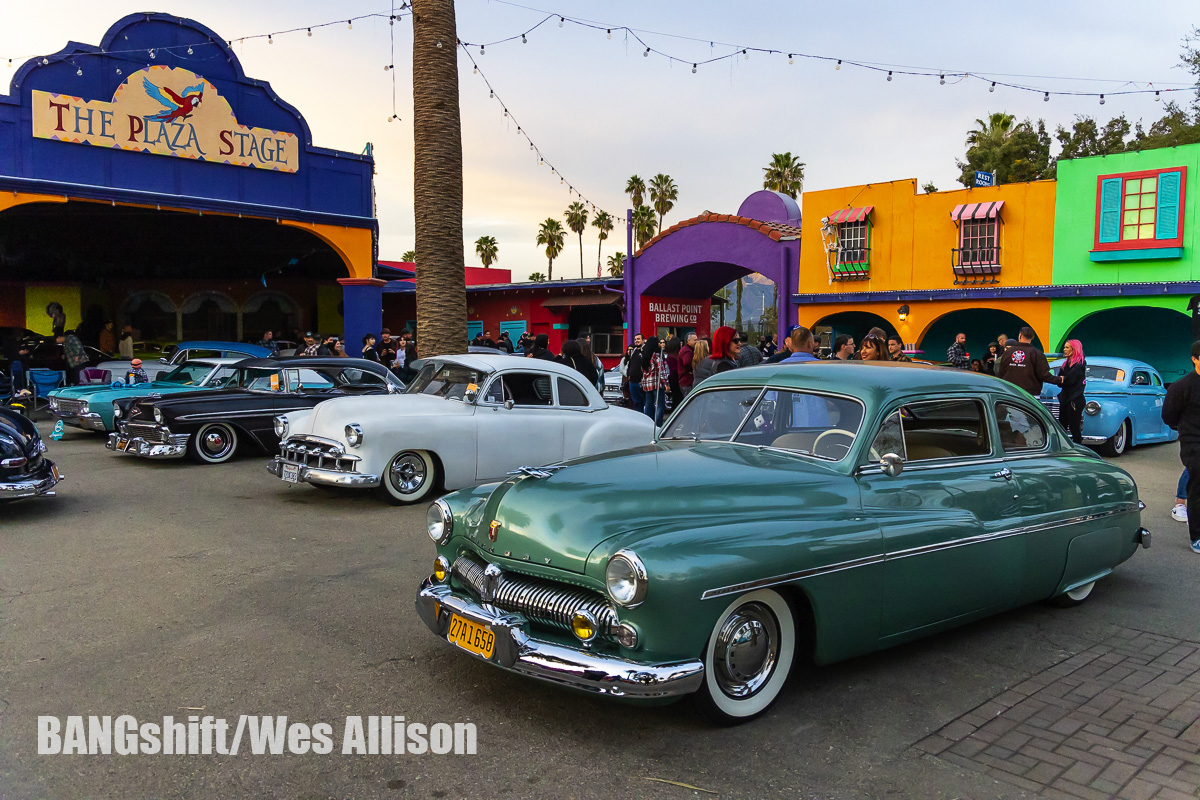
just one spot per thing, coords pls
(91, 406)
(818, 510)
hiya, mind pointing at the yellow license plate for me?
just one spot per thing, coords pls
(471, 637)
(122, 444)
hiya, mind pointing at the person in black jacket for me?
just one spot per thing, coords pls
(1072, 375)
(1181, 411)
(541, 348)
(1024, 365)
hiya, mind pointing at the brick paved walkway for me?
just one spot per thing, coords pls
(1121, 719)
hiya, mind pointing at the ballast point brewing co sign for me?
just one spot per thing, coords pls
(166, 111)
(668, 312)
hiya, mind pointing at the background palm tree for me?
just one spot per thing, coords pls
(604, 224)
(437, 180)
(487, 250)
(616, 265)
(635, 187)
(537, 277)
(577, 218)
(998, 127)
(785, 174)
(644, 225)
(737, 322)
(409, 255)
(551, 236)
(663, 194)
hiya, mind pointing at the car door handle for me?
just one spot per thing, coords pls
(1005, 473)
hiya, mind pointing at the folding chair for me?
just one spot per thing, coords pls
(43, 381)
(93, 375)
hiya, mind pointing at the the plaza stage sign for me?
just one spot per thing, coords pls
(167, 111)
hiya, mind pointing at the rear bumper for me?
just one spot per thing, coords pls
(324, 477)
(175, 447)
(31, 485)
(578, 668)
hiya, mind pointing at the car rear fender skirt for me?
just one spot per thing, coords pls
(1075, 584)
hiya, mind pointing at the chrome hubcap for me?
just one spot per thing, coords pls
(746, 650)
(408, 473)
(214, 442)
(1119, 444)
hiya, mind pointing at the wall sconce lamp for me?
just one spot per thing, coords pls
(903, 312)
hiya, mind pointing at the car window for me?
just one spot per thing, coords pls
(222, 377)
(714, 415)
(1097, 373)
(1157, 380)
(307, 380)
(1020, 429)
(187, 374)
(1140, 378)
(806, 422)
(570, 395)
(528, 388)
(360, 379)
(495, 392)
(944, 429)
(262, 380)
(890, 438)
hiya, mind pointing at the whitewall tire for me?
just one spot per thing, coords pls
(409, 476)
(1073, 597)
(214, 443)
(748, 657)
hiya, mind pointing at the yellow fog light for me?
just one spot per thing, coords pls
(584, 625)
(441, 569)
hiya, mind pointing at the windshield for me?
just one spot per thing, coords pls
(804, 422)
(187, 375)
(1114, 374)
(445, 380)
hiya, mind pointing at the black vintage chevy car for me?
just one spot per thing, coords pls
(24, 471)
(211, 425)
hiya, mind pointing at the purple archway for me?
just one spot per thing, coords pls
(696, 257)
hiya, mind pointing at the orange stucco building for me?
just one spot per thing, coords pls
(927, 265)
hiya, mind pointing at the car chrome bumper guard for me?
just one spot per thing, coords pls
(90, 421)
(16, 490)
(324, 477)
(174, 447)
(1094, 439)
(578, 668)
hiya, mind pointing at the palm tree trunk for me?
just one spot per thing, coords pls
(549, 271)
(437, 179)
(738, 318)
(599, 258)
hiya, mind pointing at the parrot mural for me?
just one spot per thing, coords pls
(176, 107)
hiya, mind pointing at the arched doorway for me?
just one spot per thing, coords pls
(981, 325)
(853, 323)
(152, 316)
(1158, 336)
(211, 316)
(269, 311)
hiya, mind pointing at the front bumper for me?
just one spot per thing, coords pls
(324, 477)
(175, 446)
(1094, 439)
(88, 421)
(32, 485)
(577, 668)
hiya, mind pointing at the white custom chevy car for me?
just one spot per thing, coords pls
(464, 420)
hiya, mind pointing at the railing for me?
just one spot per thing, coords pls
(853, 264)
(974, 265)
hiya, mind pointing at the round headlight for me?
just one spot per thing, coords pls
(158, 417)
(1092, 407)
(281, 426)
(625, 578)
(441, 569)
(584, 625)
(83, 407)
(116, 411)
(439, 522)
(354, 434)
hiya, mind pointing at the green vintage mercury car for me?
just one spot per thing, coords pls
(819, 510)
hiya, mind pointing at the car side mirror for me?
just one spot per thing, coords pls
(470, 396)
(509, 404)
(163, 361)
(891, 464)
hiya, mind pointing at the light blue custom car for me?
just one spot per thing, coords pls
(91, 406)
(1124, 404)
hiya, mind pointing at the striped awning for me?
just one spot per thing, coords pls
(850, 215)
(977, 211)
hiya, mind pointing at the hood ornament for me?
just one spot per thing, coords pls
(537, 472)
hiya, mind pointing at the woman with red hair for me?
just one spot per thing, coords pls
(1072, 376)
(725, 348)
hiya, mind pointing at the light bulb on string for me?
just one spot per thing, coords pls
(350, 24)
(889, 74)
(152, 53)
(693, 69)
(561, 20)
(791, 59)
(992, 88)
(610, 33)
(387, 68)
(481, 50)
(269, 39)
(1101, 99)
(1157, 95)
(189, 50)
(1046, 97)
(523, 39)
(647, 53)
(942, 79)
(491, 93)
(475, 71)
(310, 31)
(746, 54)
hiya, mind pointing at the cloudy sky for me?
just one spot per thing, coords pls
(600, 111)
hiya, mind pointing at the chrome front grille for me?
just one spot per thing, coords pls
(67, 407)
(146, 430)
(317, 453)
(544, 601)
(1051, 404)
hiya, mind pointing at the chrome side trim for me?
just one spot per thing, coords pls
(762, 583)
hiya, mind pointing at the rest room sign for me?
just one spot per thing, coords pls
(165, 111)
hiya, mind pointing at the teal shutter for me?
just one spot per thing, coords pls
(474, 328)
(1166, 220)
(1110, 210)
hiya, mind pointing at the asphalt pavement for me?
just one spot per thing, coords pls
(172, 589)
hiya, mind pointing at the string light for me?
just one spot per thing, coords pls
(1046, 97)
(942, 79)
(310, 31)
(561, 20)
(693, 69)
(792, 59)
(610, 33)
(481, 51)
(269, 39)
(152, 53)
(889, 74)
(746, 54)
(523, 39)
(190, 50)
(992, 88)
(839, 64)
(1101, 99)
(388, 67)
(350, 24)
(1157, 96)
(647, 53)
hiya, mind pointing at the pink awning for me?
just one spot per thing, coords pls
(977, 211)
(850, 215)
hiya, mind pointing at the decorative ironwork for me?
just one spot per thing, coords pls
(975, 265)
